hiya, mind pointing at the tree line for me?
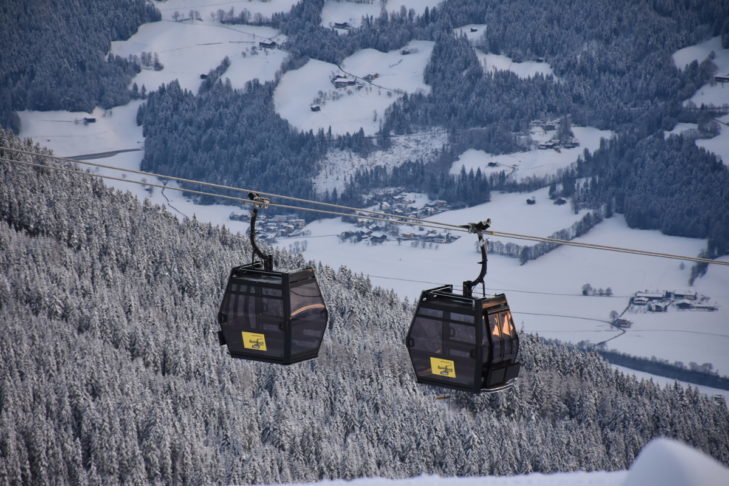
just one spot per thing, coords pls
(55, 54)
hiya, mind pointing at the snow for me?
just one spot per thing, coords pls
(339, 165)
(67, 135)
(352, 11)
(346, 110)
(671, 463)
(187, 50)
(662, 461)
(681, 128)
(537, 163)
(665, 382)
(418, 6)
(473, 32)
(718, 145)
(545, 294)
(395, 71)
(535, 479)
(207, 8)
(116, 130)
(711, 93)
(699, 52)
(526, 69)
(497, 62)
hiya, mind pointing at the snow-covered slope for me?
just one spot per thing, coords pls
(526, 69)
(340, 165)
(361, 105)
(352, 11)
(668, 462)
(719, 144)
(712, 93)
(473, 32)
(662, 462)
(539, 163)
(209, 8)
(188, 49)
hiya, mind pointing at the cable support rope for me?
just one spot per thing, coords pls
(236, 189)
(223, 196)
(386, 217)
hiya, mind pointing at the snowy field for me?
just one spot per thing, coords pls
(526, 69)
(62, 132)
(209, 8)
(348, 109)
(536, 163)
(497, 62)
(681, 128)
(339, 165)
(188, 49)
(473, 32)
(352, 11)
(712, 93)
(719, 145)
(663, 462)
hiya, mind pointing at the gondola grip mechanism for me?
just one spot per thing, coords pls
(259, 202)
(478, 229)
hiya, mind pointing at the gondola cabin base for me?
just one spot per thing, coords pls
(272, 316)
(461, 342)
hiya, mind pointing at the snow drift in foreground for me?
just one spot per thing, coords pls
(664, 462)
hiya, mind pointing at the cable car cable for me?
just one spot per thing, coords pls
(229, 188)
(387, 215)
(412, 221)
(223, 196)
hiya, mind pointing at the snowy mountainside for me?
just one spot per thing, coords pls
(187, 50)
(130, 296)
(207, 9)
(309, 99)
(351, 12)
(713, 93)
(338, 167)
(662, 461)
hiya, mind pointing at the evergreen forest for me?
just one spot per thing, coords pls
(111, 373)
(54, 54)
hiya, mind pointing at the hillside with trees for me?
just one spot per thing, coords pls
(110, 369)
(54, 54)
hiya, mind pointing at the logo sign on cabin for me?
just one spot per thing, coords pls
(443, 367)
(252, 340)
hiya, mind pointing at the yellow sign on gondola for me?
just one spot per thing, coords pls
(443, 367)
(253, 340)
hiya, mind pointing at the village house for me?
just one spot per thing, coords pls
(343, 81)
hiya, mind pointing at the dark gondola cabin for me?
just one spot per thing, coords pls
(271, 316)
(462, 341)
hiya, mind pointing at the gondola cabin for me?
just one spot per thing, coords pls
(469, 343)
(272, 316)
